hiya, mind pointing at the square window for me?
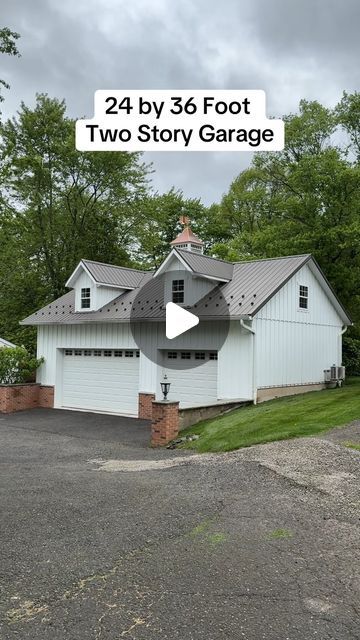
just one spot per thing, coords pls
(129, 354)
(172, 355)
(199, 355)
(107, 353)
(87, 352)
(213, 355)
(185, 355)
(78, 352)
(178, 288)
(85, 298)
(97, 352)
(117, 353)
(68, 352)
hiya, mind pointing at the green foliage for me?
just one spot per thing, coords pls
(292, 417)
(8, 46)
(305, 199)
(17, 365)
(351, 355)
(58, 205)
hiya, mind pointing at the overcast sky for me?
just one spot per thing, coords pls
(291, 48)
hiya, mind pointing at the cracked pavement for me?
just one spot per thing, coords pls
(104, 538)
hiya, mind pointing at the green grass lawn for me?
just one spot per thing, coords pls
(292, 417)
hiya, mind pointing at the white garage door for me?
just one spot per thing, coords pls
(101, 380)
(192, 386)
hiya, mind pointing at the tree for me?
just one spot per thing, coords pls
(58, 205)
(305, 199)
(8, 46)
(161, 214)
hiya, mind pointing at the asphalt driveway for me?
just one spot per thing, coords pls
(104, 538)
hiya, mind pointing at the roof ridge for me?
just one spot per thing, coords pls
(203, 255)
(299, 255)
(115, 266)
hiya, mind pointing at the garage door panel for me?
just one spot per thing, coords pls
(100, 383)
(192, 385)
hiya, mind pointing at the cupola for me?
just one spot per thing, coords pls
(186, 239)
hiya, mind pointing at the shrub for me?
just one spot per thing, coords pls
(17, 364)
(351, 356)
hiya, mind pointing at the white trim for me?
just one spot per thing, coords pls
(115, 286)
(6, 343)
(172, 253)
(330, 294)
(69, 283)
(201, 275)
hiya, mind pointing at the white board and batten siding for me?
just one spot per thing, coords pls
(294, 346)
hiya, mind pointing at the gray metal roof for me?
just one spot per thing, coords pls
(207, 266)
(252, 285)
(112, 275)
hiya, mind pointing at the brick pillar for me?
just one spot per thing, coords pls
(165, 422)
(46, 397)
(145, 405)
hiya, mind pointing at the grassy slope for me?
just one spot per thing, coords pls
(292, 417)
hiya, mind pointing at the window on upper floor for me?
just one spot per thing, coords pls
(178, 289)
(303, 296)
(85, 298)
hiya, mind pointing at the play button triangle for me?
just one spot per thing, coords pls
(178, 320)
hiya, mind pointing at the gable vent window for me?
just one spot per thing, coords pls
(199, 355)
(85, 298)
(303, 297)
(178, 291)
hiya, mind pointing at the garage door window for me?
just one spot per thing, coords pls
(107, 353)
(78, 352)
(213, 355)
(68, 352)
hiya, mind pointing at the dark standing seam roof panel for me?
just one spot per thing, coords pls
(252, 285)
(207, 266)
(115, 276)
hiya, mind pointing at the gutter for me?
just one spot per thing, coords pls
(253, 333)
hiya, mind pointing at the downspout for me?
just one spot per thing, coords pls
(253, 332)
(343, 330)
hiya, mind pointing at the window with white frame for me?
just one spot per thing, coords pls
(85, 298)
(178, 288)
(303, 296)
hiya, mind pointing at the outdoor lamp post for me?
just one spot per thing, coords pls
(165, 388)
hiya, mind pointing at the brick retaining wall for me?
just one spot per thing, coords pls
(18, 397)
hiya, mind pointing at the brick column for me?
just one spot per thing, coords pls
(145, 405)
(46, 397)
(165, 422)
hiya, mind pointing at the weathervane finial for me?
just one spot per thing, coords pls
(184, 220)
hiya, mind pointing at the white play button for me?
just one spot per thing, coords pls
(178, 320)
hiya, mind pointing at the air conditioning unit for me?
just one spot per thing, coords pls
(334, 376)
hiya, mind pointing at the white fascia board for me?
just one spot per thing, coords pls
(329, 292)
(167, 260)
(201, 275)
(114, 286)
(75, 274)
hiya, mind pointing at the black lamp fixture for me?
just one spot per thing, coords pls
(165, 388)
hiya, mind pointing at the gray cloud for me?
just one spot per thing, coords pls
(293, 50)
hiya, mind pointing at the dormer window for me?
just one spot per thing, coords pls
(85, 298)
(178, 289)
(303, 297)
